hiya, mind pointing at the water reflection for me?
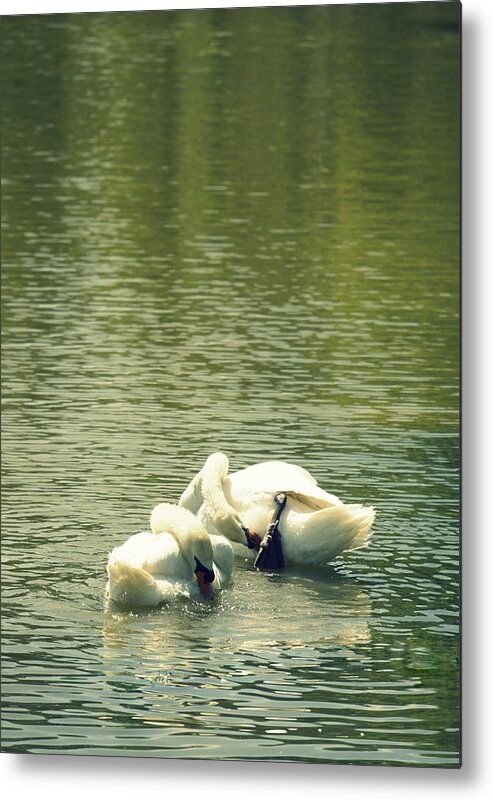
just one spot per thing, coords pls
(251, 674)
(340, 608)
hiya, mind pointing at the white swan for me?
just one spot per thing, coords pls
(177, 557)
(315, 526)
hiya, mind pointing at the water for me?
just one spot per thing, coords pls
(231, 230)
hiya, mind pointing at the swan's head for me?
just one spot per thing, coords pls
(199, 553)
(227, 522)
(205, 579)
(193, 541)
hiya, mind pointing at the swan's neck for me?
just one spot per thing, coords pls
(216, 507)
(192, 498)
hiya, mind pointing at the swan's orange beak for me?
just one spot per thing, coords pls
(206, 589)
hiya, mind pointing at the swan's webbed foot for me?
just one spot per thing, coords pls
(280, 501)
(270, 554)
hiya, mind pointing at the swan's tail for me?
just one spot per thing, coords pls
(363, 517)
(131, 586)
(326, 533)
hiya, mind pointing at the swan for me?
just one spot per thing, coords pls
(253, 506)
(176, 557)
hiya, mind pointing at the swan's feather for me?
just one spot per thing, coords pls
(267, 478)
(309, 500)
(320, 536)
(131, 586)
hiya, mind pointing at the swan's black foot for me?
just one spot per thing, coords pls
(280, 501)
(270, 554)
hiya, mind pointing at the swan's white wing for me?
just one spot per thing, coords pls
(264, 480)
(131, 586)
(136, 588)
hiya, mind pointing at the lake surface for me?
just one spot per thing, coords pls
(238, 231)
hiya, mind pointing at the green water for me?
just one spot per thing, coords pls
(232, 230)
